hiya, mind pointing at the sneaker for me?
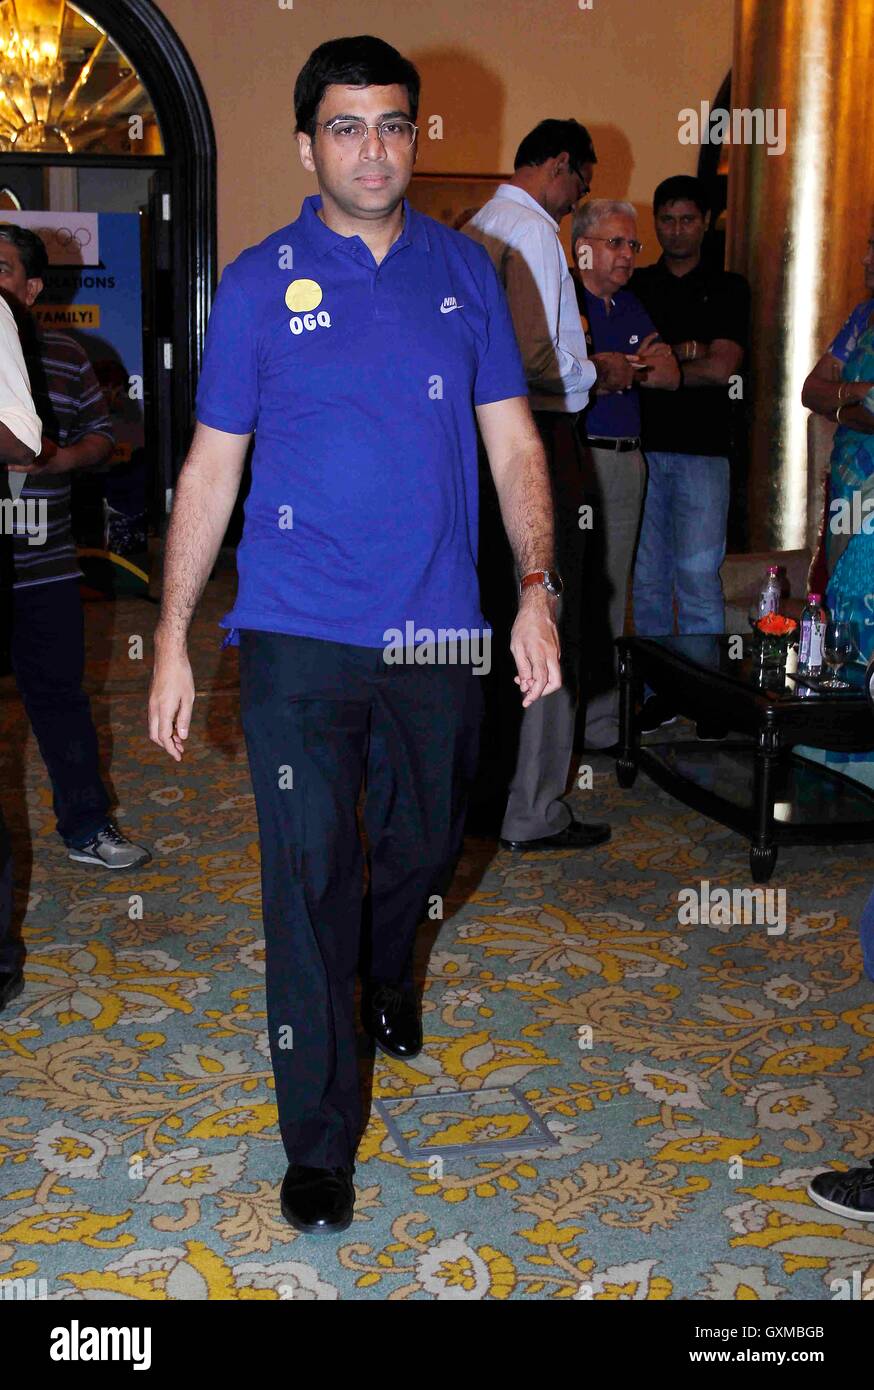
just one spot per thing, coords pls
(655, 714)
(849, 1194)
(110, 850)
(707, 732)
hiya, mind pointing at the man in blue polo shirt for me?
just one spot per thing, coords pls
(362, 345)
(604, 239)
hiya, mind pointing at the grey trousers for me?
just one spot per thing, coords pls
(546, 737)
(614, 486)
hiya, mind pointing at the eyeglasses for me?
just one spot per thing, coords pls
(616, 243)
(394, 135)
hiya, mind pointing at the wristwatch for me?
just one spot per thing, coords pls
(550, 580)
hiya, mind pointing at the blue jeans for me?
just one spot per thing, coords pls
(48, 657)
(682, 545)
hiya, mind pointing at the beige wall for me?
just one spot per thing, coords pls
(491, 70)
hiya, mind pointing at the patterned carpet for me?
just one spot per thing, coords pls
(692, 1077)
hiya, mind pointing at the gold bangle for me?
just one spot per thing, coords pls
(838, 412)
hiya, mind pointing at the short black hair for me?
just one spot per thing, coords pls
(30, 247)
(362, 61)
(681, 186)
(550, 138)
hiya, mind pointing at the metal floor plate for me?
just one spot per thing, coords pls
(494, 1120)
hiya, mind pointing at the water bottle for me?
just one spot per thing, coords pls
(770, 593)
(813, 620)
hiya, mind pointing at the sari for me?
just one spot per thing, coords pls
(849, 593)
(850, 558)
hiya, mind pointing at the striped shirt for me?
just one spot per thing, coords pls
(70, 403)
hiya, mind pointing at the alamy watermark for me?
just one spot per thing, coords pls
(851, 516)
(740, 126)
(25, 516)
(442, 646)
(728, 907)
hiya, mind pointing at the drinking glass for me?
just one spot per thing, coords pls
(839, 647)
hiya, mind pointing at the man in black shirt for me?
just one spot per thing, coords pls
(703, 313)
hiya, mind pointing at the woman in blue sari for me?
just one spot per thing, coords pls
(841, 387)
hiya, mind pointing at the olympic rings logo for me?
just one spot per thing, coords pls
(81, 237)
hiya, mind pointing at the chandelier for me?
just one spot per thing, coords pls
(66, 88)
(29, 60)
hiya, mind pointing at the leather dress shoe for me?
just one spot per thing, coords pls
(317, 1200)
(391, 1017)
(11, 985)
(574, 836)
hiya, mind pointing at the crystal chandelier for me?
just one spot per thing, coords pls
(30, 69)
(28, 60)
(66, 87)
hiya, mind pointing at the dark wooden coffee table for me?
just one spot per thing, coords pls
(752, 782)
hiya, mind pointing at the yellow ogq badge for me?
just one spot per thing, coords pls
(302, 297)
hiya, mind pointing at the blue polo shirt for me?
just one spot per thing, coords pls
(614, 416)
(360, 382)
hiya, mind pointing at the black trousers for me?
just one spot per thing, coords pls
(44, 628)
(321, 720)
(11, 952)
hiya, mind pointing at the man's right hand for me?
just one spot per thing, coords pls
(171, 698)
(616, 372)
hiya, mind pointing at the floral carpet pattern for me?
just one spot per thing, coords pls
(693, 1077)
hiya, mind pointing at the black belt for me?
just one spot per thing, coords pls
(622, 446)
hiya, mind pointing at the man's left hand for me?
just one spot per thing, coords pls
(535, 646)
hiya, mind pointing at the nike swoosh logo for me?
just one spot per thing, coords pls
(447, 308)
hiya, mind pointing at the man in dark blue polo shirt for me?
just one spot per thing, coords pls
(604, 238)
(362, 345)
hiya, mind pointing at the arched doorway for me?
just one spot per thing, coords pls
(79, 127)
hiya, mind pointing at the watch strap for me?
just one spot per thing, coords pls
(535, 577)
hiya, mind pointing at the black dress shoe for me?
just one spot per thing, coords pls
(574, 836)
(11, 985)
(317, 1200)
(391, 1016)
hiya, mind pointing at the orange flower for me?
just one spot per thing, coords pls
(775, 625)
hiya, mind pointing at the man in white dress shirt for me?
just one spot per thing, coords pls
(526, 756)
(20, 442)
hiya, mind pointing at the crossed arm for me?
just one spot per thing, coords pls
(713, 364)
(825, 393)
